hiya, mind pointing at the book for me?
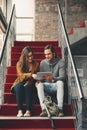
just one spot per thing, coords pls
(40, 75)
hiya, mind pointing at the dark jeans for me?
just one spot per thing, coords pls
(24, 93)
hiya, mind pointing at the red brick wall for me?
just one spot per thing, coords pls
(46, 17)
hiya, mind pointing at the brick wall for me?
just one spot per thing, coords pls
(76, 12)
(46, 20)
(46, 17)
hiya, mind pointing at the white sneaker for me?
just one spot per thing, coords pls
(20, 113)
(27, 114)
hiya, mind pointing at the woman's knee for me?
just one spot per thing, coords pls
(18, 87)
(30, 87)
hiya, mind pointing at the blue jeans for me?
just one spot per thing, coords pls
(24, 93)
(57, 87)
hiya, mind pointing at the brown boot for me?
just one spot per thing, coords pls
(44, 113)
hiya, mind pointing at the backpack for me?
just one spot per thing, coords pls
(51, 107)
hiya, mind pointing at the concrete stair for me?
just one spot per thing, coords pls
(76, 34)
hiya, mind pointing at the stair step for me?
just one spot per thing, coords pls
(38, 129)
(11, 70)
(33, 43)
(10, 78)
(11, 110)
(34, 118)
(78, 34)
(36, 122)
(7, 87)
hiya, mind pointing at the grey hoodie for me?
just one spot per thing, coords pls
(57, 67)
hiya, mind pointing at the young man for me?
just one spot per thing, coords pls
(52, 83)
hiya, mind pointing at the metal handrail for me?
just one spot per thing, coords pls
(7, 33)
(3, 21)
(70, 54)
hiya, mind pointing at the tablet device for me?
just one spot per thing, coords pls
(40, 75)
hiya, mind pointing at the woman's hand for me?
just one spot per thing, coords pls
(34, 76)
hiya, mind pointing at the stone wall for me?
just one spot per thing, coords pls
(46, 24)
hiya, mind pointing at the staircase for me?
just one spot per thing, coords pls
(76, 34)
(8, 110)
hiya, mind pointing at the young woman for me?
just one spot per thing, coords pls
(24, 85)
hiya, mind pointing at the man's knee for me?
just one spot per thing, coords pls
(60, 83)
(38, 84)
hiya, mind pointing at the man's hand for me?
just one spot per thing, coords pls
(48, 77)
